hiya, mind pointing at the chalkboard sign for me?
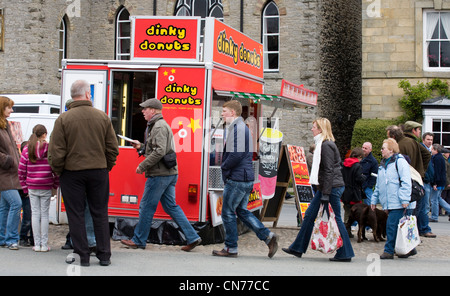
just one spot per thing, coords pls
(304, 193)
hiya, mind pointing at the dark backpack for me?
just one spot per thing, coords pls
(417, 190)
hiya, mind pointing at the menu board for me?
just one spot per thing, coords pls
(300, 176)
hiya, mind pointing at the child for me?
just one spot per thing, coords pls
(37, 178)
(353, 178)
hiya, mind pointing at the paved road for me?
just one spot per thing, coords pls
(433, 258)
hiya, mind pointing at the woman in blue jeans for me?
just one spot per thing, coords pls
(326, 176)
(10, 201)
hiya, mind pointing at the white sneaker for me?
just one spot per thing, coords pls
(13, 247)
(45, 249)
(37, 248)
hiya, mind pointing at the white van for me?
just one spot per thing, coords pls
(32, 109)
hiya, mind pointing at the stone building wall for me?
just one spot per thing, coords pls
(392, 50)
(29, 62)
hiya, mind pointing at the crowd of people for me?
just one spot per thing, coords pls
(80, 166)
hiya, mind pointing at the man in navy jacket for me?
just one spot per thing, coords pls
(369, 165)
(238, 177)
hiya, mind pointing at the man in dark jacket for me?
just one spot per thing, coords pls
(369, 165)
(438, 183)
(238, 177)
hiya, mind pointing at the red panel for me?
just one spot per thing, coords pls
(222, 80)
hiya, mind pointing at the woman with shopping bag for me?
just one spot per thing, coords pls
(393, 192)
(327, 178)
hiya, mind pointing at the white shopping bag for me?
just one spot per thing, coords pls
(326, 237)
(407, 235)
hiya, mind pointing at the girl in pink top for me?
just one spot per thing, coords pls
(37, 178)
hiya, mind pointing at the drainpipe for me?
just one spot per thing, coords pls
(242, 16)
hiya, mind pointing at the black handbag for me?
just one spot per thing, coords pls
(170, 160)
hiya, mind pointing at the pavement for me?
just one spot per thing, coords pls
(433, 257)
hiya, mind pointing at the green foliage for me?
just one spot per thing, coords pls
(373, 131)
(417, 94)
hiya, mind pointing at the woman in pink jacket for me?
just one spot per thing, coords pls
(37, 178)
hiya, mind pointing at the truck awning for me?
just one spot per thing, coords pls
(275, 101)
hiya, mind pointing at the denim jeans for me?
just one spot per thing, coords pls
(26, 233)
(369, 192)
(301, 243)
(235, 200)
(436, 201)
(428, 188)
(10, 206)
(40, 206)
(421, 213)
(394, 217)
(161, 188)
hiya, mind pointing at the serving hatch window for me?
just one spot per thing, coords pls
(129, 90)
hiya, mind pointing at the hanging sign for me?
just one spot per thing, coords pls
(165, 39)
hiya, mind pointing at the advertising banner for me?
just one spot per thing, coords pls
(165, 39)
(269, 151)
(300, 176)
(237, 51)
(182, 93)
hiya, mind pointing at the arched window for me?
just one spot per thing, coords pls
(271, 37)
(202, 8)
(123, 33)
(62, 48)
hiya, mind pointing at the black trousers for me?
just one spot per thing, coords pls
(76, 188)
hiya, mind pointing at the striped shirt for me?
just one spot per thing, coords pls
(37, 175)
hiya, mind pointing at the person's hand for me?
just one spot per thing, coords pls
(138, 171)
(435, 187)
(136, 144)
(325, 198)
(373, 207)
(405, 205)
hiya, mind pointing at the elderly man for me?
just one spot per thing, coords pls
(83, 149)
(161, 179)
(369, 165)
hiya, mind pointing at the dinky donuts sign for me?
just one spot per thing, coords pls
(165, 38)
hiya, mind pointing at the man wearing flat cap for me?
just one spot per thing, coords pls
(161, 179)
(413, 130)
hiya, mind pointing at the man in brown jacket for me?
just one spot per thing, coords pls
(83, 149)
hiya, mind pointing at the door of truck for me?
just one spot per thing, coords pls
(97, 79)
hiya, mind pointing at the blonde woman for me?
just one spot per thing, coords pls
(327, 178)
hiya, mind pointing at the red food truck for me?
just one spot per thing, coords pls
(192, 74)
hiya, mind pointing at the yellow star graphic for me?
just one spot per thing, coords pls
(195, 124)
(165, 73)
(173, 71)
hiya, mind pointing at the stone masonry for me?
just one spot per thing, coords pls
(30, 60)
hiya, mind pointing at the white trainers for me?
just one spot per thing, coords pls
(13, 247)
(37, 248)
(45, 249)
